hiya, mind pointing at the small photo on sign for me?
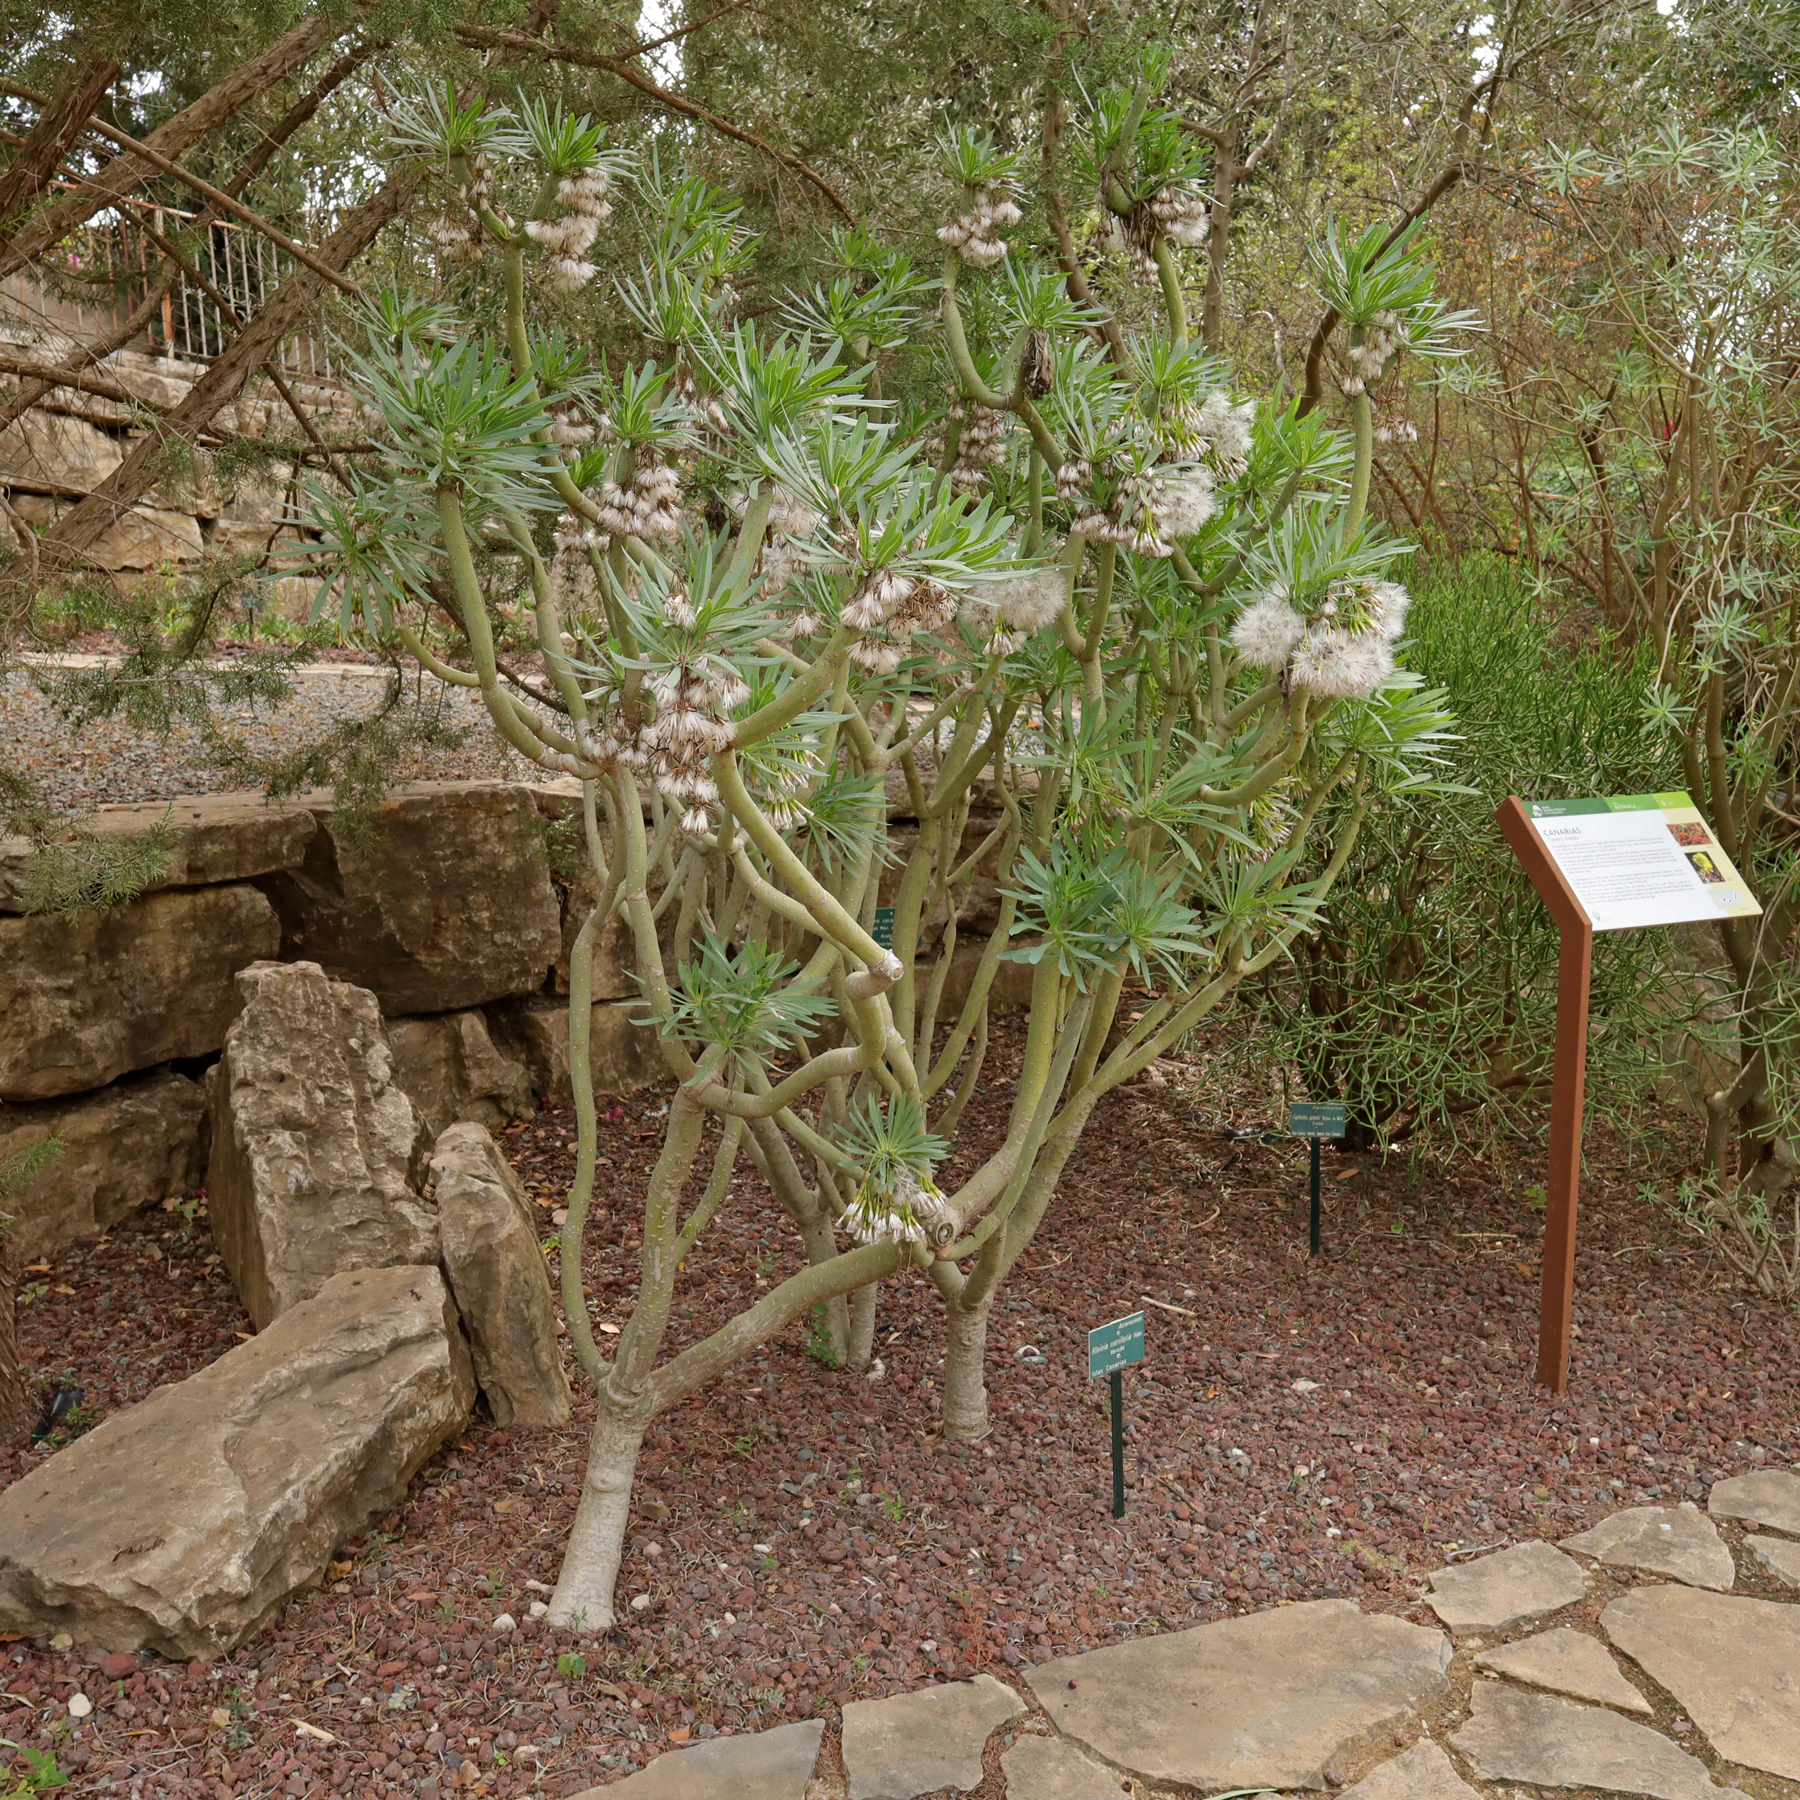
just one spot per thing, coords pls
(1691, 837)
(1704, 866)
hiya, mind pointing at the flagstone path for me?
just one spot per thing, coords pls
(1629, 1666)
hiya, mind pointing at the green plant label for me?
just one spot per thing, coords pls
(883, 932)
(1116, 1346)
(1316, 1118)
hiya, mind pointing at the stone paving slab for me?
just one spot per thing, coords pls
(1566, 1662)
(912, 1744)
(1780, 1557)
(1732, 1662)
(762, 1765)
(1041, 1768)
(1522, 1582)
(1515, 1736)
(1422, 1773)
(1678, 1541)
(1267, 1699)
(1770, 1497)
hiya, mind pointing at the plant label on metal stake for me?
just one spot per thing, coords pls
(1315, 1119)
(1113, 1348)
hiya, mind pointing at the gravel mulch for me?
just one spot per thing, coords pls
(111, 762)
(1301, 1428)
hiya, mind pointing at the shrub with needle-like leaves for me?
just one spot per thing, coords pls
(1106, 635)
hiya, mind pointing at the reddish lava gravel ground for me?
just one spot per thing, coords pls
(1300, 1428)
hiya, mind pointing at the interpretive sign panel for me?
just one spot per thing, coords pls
(1640, 859)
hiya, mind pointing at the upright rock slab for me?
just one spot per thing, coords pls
(316, 1154)
(132, 1144)
(449, 1069)
(1268, 1699)
(447, 905)
(92, 996)
(1513, 1736)
(500, 1279)
(1769, 1497)
(1733, 1663)
(1678, 1541)
(183, 1523)
(1494, 1592)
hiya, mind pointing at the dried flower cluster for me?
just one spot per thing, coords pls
(1369, 358)
(975, 234)
(1184, 215)
(582, 198)
(1152, 510)
(694, 701)
(887, 609)
(981, 445)
(646, 507)
(1213, 429)
(1402, 432)
(1342, 650)
(910, 1211)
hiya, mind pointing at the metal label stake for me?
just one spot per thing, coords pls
(1313, 1120)
(1112, 1348)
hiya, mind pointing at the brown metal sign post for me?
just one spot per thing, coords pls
(1574, 966)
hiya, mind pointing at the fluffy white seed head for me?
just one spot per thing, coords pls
(1267, 631)
(1028, 603)
(1341, 665)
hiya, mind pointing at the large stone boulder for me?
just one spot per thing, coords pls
(500, 1279)
(449, 1068)
(183, 1523)
(135, 1143)
(447, 904)
(217, 838)
(317, 1157)
(623, 1053)
(90, 996)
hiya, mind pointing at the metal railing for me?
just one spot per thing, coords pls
(100, 275)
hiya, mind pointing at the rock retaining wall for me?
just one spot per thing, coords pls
(449, 914)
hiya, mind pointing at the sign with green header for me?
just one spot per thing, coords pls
(1317, 1119)
(1116, 1346)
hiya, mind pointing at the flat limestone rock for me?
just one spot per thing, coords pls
(1422, 1773)
(762, 1765)
(1566, 1662)
(1770, 1497)
(1780, 1557)
(316, 1154)
(1515, 1736)
(1512, 1585)
(183, 1523)
(448, 905)
(1267, 1699)
(500, 1279)
(218, 837)
(90, 997)
(1041, 1768)
(1678, 1541)
(1733, 1664)
(912, 1744)
(134, 1143)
